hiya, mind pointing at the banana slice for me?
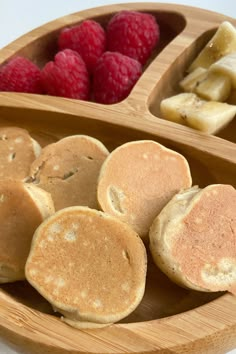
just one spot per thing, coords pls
(192, 80)
(173, 108)
(222, 43)
(215, 87)
(189, 109)
(227, 67)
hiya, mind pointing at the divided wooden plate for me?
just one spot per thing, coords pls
(169, 319)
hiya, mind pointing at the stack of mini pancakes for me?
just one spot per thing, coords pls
(76, 221)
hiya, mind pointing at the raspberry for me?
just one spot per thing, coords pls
(67, 76)
(114, 77)
(20, 75)
(88, 39)
(134, 34)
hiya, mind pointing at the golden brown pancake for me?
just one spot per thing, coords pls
(89, 265)
(193, 238)
(22, 208)
(68, 170)
(18, 151)
(138, 179)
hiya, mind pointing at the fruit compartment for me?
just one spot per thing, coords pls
(40, 46)
(176, 72)
(168, 84)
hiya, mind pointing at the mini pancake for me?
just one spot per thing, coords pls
(193, 239)
(68, 170)
(138, 179)
(89, 265)
(22, 208)
(18, 151)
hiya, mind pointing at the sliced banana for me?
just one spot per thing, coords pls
(192, 80)
(227, 67)
(173, 108)
(189, 109)
(222, 43)
(215, 87)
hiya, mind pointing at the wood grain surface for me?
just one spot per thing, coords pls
(169, 319)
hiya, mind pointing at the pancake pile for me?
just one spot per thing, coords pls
(90, 266)
(193, 238)
(23, 207)
(138, 179)
(68, 170)
(17, 152)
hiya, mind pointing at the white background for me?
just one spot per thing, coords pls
(20, 16)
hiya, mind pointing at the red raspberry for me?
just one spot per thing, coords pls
(67, 76)
(114, 77)
(20, 75)
(134, 34)
(88, 39)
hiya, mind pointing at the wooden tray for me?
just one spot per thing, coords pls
(169, 319)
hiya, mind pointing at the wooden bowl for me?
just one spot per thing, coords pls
(169, 319)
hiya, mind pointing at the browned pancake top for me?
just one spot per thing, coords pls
(16, 153)
(204, 246)
(69, 169)
(138, 179)
(82, 259)
(19, 218)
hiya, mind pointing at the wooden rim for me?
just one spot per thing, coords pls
(210, 320)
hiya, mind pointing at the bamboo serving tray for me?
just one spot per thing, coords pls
(169, 319)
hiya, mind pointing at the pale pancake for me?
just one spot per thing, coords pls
(89, 265)
(138, 179)
(22, 208)
(68, 170)
(18, 151)
(193, 239)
